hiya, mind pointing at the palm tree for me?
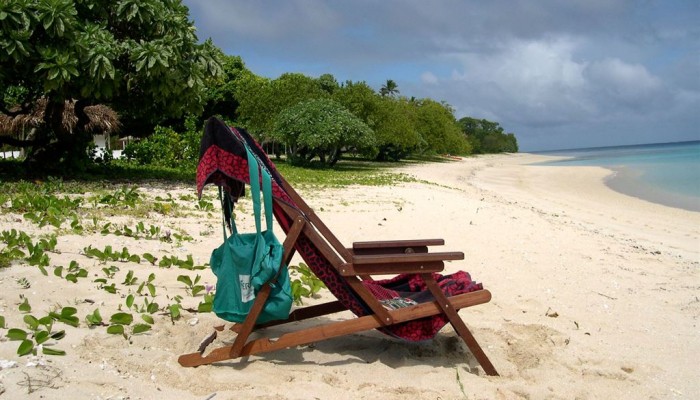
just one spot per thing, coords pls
(390, 88)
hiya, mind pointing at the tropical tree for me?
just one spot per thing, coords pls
(223, 93)
(390, 88)
(320, 128)
(437, 125)
(360, 99)
(141, 57)
(261, 99)
(328, 83)
(487, 136)
(396, 130)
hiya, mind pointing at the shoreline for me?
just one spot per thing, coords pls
(628, 180)
(624, 180)
(588, 190)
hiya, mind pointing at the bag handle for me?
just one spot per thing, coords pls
(254, 173)
(226, 205)
(267, 196)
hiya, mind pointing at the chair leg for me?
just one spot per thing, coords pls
(459, 325)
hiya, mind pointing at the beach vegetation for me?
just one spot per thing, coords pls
(130, 279)
(303, 282)
(94, 319)
(175, 311)
(108, 254)
(192, 287)
(140, 57)
(390, 88)
(487, 136)
(39, 335)
(73, 272)
(261, 99)
(167, 148)
(148, 285)
(136, 69)
(207, 303)
(88, 204)
(320, 128)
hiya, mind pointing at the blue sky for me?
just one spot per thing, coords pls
(558, 74)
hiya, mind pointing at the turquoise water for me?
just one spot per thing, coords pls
(665, 173)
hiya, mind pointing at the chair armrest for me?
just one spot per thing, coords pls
(394, 246)
(398, 263)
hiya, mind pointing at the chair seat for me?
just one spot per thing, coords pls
(406, 290)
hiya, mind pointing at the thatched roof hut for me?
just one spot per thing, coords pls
(102, 119)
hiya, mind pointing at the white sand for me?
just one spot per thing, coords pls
(595, 296)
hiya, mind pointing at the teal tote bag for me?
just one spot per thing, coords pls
(246, 261)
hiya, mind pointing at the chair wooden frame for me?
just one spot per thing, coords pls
(355, 264)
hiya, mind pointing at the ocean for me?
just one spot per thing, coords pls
(664, 173)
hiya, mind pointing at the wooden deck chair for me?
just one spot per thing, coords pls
(414, 305)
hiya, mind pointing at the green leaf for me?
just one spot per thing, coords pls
(32, 322)
(185, 279)
(204, 307)
(165, 263)
(58, 271)
(115, 329)
(26, 347)
(147, 318)
(16, 334)
(2, 322)
(129, 300)
(58, 335)
(121, 318)
(25, 307)
(151, 289)
(47, 321)
(129, 279)
(152, 308)
(95, 318)
(110, 288)
(174, 311)
(140, 328)
(70, 320)
(53, 352)
(150, 258)
(68, 311)
(41, 337)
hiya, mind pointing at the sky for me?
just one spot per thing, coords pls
(557, 74)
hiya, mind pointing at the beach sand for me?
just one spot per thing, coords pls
(595, 296)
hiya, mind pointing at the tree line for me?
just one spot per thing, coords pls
(142, 59)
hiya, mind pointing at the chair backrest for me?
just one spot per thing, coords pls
(223, 162)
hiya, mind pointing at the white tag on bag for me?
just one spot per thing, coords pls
(246, 288)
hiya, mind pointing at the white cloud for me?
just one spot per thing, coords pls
(429, 77)
(252, 19)
(547, 83)
(584, 71)
(537, 81)
(629, 85)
